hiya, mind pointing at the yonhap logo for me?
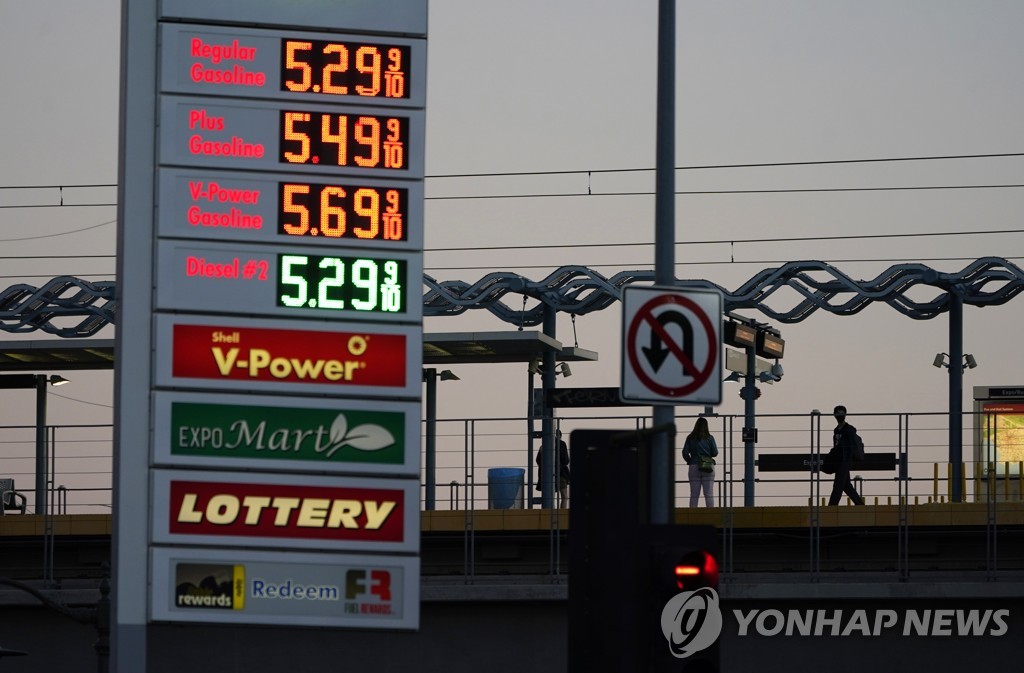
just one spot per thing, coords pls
(874, 623)
(691, 621)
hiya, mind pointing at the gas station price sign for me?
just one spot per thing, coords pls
(257, 280)
(343, 211)
(344, 68)
(271, 221)
(242, 206)
(361, 284)
(209, 133)
(254, 63)
(343, 140)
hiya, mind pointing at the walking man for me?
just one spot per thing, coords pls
(844, 439)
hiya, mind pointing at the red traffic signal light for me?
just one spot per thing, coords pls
(682, 616)
(695, 570)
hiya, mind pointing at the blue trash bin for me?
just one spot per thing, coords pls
(505, 487)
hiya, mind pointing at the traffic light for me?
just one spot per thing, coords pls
(684, 618)
(698, 568)
(607, 577)
(642, 597)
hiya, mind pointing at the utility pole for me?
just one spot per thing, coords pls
(664, 241)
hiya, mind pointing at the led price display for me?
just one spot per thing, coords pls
(341, 283)
(343, 211)
(366, 141)
(345, 68)
(257, 135)
(257, 63)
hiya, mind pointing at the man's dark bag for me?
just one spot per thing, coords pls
(830, 461)
(858, 448)
(834, 458)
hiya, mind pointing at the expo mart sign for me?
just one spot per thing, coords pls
(277, 433)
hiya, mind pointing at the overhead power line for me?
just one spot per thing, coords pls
(584, 171)
(61, 205)
(781, 239)
(648, 265)
(61, 233)
(700, 192)
(628, 244)
(768, 164)
(96, 186)
(589, 193)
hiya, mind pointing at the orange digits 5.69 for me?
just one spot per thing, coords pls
(289, 206)
(332, 218)
(366, 203)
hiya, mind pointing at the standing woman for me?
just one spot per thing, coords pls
(699, 452)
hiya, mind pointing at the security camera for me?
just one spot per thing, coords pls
(777, 370)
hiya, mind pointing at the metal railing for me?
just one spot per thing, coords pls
(913, 496)
(79, 460)
(469, 448)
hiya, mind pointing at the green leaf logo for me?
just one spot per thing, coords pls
(366, 437)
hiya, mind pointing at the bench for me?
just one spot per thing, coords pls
(10, 500)
(804, 462)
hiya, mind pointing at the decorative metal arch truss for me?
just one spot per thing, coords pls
(64, 306)
(915, 290)
(806, 286)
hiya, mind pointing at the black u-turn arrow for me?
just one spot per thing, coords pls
(657, 351)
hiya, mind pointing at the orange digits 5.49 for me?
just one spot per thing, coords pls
(290, 133)
(367, 133)
(340, 138)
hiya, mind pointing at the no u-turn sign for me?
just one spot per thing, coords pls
(671, 346)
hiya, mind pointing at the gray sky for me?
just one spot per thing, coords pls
(535, 86)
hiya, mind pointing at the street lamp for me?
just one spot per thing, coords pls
(37, 381)
(431, 377)
(940, 361)
(956, 376)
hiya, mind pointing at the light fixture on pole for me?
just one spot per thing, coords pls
(430, 378)
(940, 361)
(562, 369)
